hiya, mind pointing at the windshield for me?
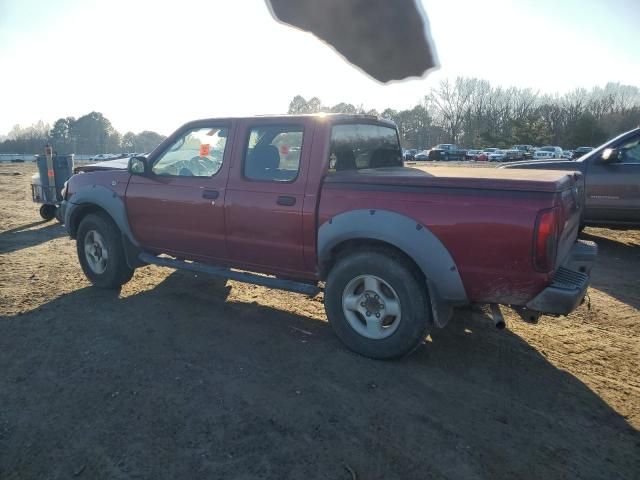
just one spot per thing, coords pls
(547, 149)
(360, 146)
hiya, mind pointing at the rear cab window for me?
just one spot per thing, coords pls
(357, 146)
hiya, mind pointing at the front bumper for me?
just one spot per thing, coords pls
(570, 282)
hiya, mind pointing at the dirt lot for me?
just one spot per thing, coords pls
(182, 376)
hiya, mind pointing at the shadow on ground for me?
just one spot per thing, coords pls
(178, 382)
(616, 269)
(27, 236)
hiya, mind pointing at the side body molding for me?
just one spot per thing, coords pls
(418, 242)
(104, 198)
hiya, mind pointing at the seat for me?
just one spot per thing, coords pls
(262, 163)
(385, 158)
(345, 160)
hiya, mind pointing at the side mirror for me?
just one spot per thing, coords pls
(137, 165)
(610, 155)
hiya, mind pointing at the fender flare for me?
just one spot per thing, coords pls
(101, 197)
(414, 239)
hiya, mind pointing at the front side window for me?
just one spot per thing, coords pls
(360, 146)
(273, 153)
(197, 153)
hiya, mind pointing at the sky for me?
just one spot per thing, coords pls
(152, 65)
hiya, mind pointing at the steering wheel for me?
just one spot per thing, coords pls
(204, 166)
(184, 168)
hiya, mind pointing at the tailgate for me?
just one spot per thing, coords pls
(570, 216)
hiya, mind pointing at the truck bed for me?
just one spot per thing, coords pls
(460, 177)
(484, 216)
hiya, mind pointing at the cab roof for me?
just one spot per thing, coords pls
(321, 116)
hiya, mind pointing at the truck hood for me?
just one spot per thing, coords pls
(555, 164)
(117, 164)
(459, 177)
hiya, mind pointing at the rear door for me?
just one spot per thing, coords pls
(178, 207)
(265, 195)
(613, 188)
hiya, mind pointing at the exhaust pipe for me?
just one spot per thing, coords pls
(498, 319)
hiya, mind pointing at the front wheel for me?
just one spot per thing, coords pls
(377, 304)
(101, 253)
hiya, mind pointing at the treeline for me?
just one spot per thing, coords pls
(473, 113)
(89, 134)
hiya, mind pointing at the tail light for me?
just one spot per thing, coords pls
(545, 240)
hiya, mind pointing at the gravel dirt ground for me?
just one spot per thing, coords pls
(183, 376)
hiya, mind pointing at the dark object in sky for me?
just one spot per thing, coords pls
(389, 40)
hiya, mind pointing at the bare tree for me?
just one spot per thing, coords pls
(449, 103)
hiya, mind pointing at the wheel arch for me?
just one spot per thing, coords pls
(96, 198)
(413, 240)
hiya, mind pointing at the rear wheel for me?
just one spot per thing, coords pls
(101, 253)
(377, 304)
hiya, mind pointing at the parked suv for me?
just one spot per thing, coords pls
(611, 189)
(446, 152)
(527, 150)
(547, 152)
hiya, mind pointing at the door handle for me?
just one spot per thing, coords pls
(286, 200)
(210, 194)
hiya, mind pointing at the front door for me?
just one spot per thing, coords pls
(613, 188)
(265, 195)
(178, 207)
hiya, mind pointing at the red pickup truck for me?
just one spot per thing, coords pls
(305, 203)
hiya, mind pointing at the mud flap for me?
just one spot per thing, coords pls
(440, 310)
(132, 253)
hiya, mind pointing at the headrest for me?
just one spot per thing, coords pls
(345, 160)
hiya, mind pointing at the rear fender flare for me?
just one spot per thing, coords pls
(414, 239)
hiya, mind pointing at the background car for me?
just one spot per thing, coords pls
(580, 151)
(103, 156)
(410, 153)
(513, 154)
(447, 151)
(472, 154)
(497, 155)
(611, 175)
(421, 156)
(527, 150)
(547, 152)
(567, 154)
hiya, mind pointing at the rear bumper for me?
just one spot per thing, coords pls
(570, 282)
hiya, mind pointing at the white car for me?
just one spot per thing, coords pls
(103, 156)
(497, 155)
(544, 153)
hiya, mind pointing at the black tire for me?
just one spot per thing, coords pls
(116, 272)
(410, 287)
(48, 211)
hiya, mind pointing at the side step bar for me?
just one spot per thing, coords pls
(221, 272)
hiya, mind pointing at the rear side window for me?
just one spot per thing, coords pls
(359, 146)
(273, 153)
